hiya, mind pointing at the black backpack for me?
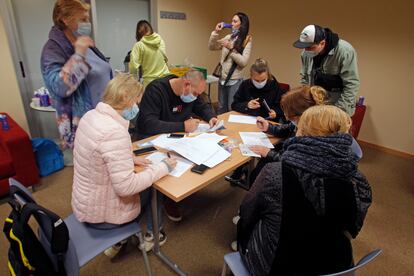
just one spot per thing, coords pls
(26, 254)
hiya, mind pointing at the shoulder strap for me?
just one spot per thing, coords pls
(247, 40)
(60, 233)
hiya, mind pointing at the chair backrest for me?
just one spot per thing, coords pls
(364, 260)
(21, 193)
(70, 260)
(284, 86)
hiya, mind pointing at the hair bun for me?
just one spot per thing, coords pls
(318, 94)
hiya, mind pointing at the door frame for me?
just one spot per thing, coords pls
(19, 60)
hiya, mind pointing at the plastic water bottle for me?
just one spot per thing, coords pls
(227, 25)
(4, 123)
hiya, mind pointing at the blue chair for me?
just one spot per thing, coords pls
(235, 264)
(85, 242)
(363, 261)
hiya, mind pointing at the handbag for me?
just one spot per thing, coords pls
(217, 72)
(219, 68)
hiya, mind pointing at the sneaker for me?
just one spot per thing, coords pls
(114, 250)
(235, 219)
(233, 246)
(242, 183)
(149, 240)
(172, 210)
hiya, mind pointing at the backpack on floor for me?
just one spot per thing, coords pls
(49, 157)
(26, 254)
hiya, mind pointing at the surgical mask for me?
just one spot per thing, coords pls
(188, 98)
(310, 54)
(259, 85)
(84, 28)
(130, 113)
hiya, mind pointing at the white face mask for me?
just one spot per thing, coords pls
(259, 85)
(310, 54)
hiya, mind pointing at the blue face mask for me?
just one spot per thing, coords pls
(130, 113)
(84, 28)
(188, 98)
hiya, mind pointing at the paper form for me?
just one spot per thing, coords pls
(256, 138)
(242, 119)
(182, 166)
(244, 150)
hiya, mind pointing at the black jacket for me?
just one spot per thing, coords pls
(271, 92)
(162, 111)
(283, 131)
(293, 220)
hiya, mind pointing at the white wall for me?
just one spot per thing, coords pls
(117, 21)
(10, 99)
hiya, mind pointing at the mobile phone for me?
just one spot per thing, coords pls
(199, 168)
(175, 135)
(144, 150)
(266, 106)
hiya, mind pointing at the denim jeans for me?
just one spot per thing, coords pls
(145, 197)
(226, 95)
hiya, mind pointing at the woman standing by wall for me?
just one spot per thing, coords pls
(74, 71)
(235, 53)
(148, 53)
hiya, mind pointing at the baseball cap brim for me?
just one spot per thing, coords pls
(301, 45)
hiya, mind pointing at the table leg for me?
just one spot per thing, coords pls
(156, 249)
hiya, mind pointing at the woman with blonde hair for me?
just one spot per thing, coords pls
(301, 213)
(74, 71)
(107, 192)
(260, 92)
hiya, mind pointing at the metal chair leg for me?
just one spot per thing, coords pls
(144, 254)
(224, 271)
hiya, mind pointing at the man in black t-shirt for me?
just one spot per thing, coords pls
(167, 106)
(169, 103)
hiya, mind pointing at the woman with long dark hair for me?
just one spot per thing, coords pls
(235, 53)
(148, 53)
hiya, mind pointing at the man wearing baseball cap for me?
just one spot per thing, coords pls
(330, 62)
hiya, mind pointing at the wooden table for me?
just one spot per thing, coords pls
(178, 188)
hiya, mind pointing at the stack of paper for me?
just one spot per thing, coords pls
(212, 137)
(256, 138)
(163, 141)
(182, 164)
(200, 151)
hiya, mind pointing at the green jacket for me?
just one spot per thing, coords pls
(149, 53)
(342, 61)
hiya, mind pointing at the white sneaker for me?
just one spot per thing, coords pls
(112, 251)
(149, 240)
(236, 219)
(233, 246)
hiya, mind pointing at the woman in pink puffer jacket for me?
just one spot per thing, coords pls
(107, 192)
